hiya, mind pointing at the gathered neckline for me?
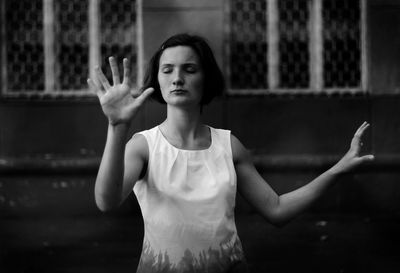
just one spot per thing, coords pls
(187, 150)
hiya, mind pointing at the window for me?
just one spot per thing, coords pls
(295, 46)
(51, 46)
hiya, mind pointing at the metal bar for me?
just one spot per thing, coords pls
(94, 36)
(49, 45)
(226, 43)
(316, 46)
(273, 44)
(364, 46)
(3, 57)
(140, 43)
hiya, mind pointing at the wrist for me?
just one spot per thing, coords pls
(120, 128)
(117, 123)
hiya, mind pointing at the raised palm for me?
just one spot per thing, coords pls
(352, 158)
(117, 100)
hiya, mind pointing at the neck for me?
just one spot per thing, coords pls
(183, 123)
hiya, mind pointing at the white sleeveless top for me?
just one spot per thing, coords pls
(187, 199)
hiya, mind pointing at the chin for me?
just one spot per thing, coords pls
(180, 102)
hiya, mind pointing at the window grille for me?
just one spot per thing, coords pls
(248, 44)
(295, 46)
(117, 31)
(50, 47)
(23, 42)
(72, 46)
(342, 49)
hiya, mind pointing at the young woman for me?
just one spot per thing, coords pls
(185, 173)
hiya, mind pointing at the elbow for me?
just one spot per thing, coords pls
(103, 207)
(277, 218)
(105, 204)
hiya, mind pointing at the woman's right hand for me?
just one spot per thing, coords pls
(117, 101)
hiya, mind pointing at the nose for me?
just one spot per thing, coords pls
(178, 78)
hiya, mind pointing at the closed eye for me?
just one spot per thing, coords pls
(191, 68)
(166, 69)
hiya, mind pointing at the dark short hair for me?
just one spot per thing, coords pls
(214, 83)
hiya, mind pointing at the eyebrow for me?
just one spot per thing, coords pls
(184, 64)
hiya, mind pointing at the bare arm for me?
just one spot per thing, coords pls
(281, 209)
(121, 164)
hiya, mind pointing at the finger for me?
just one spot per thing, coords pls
(361, 129)
(144, 96)
(103, 80)
(94, 88)
(356, 142)
(364, 126)
(127, 72)
(114, 70)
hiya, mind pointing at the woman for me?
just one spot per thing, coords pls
(185, 173)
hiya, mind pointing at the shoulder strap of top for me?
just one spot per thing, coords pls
(150, 136)
(223, 137)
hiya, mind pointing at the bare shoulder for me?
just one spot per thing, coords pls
(239, 152)
(137, 147)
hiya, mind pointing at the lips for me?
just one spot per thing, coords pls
(178, 91)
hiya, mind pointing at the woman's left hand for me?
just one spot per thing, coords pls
(352, 158)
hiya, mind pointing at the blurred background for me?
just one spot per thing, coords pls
(301, 76)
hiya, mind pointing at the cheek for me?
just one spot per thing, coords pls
(161, 81)
(199, 84)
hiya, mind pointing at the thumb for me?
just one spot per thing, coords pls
(367, 158)
(94, 88)
(144, 96)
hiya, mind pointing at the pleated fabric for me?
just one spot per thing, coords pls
(187, 199)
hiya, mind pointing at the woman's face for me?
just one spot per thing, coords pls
(180, 76)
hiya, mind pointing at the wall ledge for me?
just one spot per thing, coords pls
(35, 165)
(270, 163)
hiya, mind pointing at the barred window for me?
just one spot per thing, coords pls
(295, 46)
(50, 47)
